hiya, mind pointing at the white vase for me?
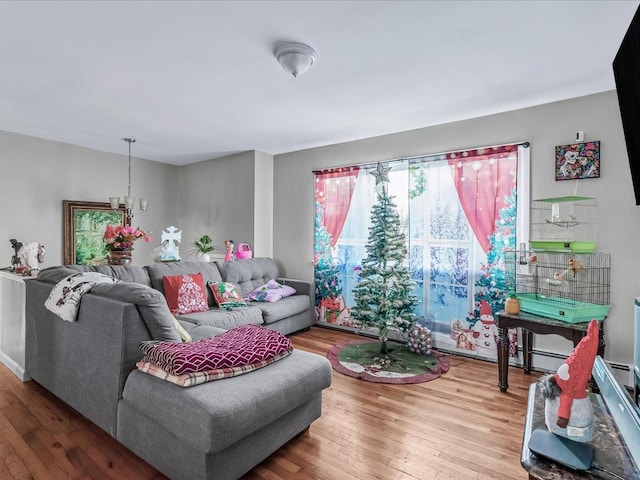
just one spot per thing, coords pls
(204, 257)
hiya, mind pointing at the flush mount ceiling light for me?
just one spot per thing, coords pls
(295, 58)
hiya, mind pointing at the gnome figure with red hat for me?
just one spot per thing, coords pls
(485, 332)
(568, 410)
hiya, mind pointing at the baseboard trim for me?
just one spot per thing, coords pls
(12, 365)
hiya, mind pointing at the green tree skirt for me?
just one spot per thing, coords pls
(363, 359)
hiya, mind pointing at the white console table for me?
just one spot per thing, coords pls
(12, 323)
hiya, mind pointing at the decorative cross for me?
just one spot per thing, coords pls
(172, 235)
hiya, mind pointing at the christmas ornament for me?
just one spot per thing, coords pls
(419, 340)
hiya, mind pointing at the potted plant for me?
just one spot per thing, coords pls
(512, 304)
(119, 241)
(202, 247)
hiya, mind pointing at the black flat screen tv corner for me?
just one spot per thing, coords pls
(568, 453)
(626, 71)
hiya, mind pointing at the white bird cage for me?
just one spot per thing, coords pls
(564, 224)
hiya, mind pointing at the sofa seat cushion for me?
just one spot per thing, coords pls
(198, 332)
(226, 319)
(283, 308)
(215, 415)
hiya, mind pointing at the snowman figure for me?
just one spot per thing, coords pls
(485, 332)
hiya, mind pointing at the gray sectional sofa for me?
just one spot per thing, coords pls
(216, 430)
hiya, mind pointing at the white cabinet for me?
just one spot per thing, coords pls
(12, 323)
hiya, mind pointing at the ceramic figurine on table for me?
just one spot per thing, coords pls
(31, 255)
(169, 250)
(568, 409)
(16, 245)
(229, 255)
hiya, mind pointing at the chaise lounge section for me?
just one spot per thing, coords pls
(216, 430)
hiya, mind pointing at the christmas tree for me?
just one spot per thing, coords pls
(384, 295)
(326, 269)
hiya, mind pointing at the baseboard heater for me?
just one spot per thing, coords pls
(548, 362)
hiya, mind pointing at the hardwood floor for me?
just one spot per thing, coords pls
(458, 426)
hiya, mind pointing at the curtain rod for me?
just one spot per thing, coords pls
(524, 144)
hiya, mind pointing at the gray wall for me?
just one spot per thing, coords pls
(37, 175)
(228, 198)
(263, 205)
(216, 197)
(544, 126)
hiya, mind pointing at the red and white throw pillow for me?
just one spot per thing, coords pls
(185, 293)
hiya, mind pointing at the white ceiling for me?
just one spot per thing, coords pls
(198, 80)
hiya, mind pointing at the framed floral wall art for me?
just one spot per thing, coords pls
(578, 160)
(83, 226)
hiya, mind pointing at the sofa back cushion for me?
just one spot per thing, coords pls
(53, 275)
(121, 272)
(209, 273)
(249, 273)
(150, 303)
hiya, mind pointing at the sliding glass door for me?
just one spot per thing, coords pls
(460, 214)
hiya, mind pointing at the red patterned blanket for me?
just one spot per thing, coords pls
(241, 346)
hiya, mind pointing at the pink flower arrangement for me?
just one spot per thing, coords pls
(123, 237)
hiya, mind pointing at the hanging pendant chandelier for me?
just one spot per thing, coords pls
(128, 199)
